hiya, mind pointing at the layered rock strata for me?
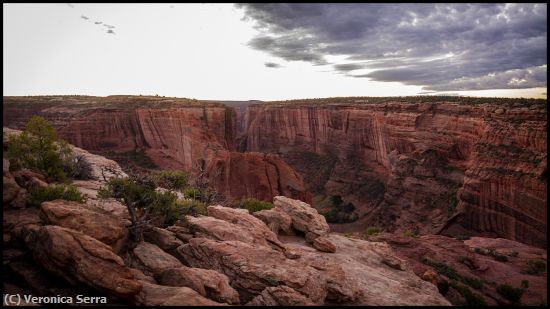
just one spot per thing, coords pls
(414, 166)
(174, 133)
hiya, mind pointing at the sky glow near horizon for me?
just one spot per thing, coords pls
(201, 51)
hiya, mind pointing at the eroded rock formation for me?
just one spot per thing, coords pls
(174, 133)
(414, 166)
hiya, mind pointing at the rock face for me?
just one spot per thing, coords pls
(472, 258)
(412, 166)
(253, 268)
(152, 260)
(13, 195)
(158, 295)
(206, 282)
(276, 217)
(175, 134)
(304, 217)
(103, 227)
(79, 258)
(355, 272)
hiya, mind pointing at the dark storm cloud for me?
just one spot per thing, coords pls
(346, 67)
(272, 65)
(440, 46)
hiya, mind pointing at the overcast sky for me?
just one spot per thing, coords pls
(275, 51)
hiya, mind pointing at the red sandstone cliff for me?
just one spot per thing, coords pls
(484, 162)
(175, 134)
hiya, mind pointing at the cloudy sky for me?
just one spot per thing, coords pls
(275, 51)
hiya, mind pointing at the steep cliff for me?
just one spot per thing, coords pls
(433, 167)
(174, 133)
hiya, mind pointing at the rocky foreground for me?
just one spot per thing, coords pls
(228, 257)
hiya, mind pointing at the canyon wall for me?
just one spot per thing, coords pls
(174, 133)
(423, 167)
(451, 168)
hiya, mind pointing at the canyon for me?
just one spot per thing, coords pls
(425, 167)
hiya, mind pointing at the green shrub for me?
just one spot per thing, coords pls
(336, 200)
(173, 180)
(38, 148)
(409, 233)
(254, 205)
(500, 257)
(535, 267)
(140, 195)
(54, 192)
(452, 274)
(510, 293)
(472, 299)
(193, 193)
(442, 268)
(472, 281)
(525, 284)
(479, 251)
(192, 207)
(371, 230)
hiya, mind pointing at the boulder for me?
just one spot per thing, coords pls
(103, 227)
(280, 296)
(12, 194)
(217, 229)
(323, 244)
(158, 295)
(163, 238)
(252, 268)
(181, 232)
(79, 258)
(304, 217)
(208, 283)
(244, 219)
(139, 275)
(13, 219)
(152, 260)
(276, 217)
(29, 179)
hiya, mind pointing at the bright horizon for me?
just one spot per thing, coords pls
(255, 52)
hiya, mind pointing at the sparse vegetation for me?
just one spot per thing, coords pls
(452, 274)
(409, 233)
(253, 204)
(412, 100)
(191, 208)
(525, 284)
(38, 195)
(340, 212)
(80, 168)
(145, 204)
(472, 299)
(173, 180)
(490, 251)
(38, 148)
(536, 267)
(510, 293)
(371, 230)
